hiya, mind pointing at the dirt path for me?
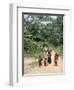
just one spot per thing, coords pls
(31, 67)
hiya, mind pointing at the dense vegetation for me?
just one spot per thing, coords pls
(41, 31)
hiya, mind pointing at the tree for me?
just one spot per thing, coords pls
(41, 30)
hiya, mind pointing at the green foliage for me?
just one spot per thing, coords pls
(41, 31)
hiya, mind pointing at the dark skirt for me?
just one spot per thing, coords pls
(49, 60)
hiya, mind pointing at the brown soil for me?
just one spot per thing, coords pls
(31, 67)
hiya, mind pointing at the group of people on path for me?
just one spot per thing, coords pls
(46, 59)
